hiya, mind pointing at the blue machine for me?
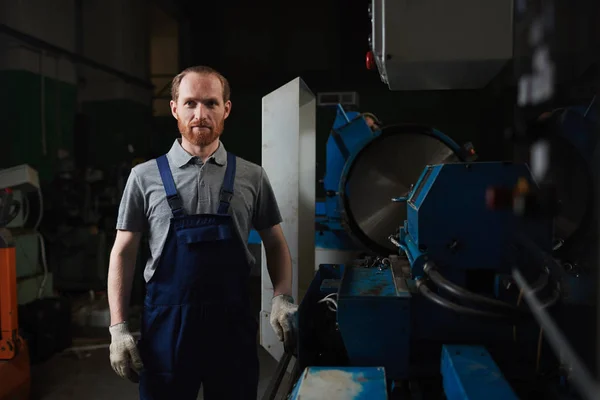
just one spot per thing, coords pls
(349, 134)
(433, 310)
(388, 313)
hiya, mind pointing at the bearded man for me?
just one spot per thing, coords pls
(197, 203)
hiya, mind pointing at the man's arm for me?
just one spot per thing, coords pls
(120, 274)
(266, 220)
(279, 261)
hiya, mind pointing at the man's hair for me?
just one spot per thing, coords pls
(203, 70)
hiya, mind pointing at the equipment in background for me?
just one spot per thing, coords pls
(14, 356)
(34, 280)
(357, 156)
(437, 45)
(43, 320)
(436, 293)
(81, 207)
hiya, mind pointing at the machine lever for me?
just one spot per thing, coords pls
(399, 199)
(275, 382)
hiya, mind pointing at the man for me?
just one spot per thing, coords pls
(197, 203)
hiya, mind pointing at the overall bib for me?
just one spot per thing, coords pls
(197, 328)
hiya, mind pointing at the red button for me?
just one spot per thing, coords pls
(371, 65)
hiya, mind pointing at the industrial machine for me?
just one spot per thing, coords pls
(431, 306)
(335, 240)
(478, 275)
(435, 292)
(14, 355)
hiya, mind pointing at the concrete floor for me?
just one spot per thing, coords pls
(88, 375)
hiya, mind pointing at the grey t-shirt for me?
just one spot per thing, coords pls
(144, 206)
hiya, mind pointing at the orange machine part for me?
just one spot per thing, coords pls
(15, 375)
(14, 354)
(9, 322)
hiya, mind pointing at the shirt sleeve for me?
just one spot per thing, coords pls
(132, 215)
(266, 210)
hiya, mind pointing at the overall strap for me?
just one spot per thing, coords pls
(173, 198)
(227, 188)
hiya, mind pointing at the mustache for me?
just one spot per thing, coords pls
(199, 124)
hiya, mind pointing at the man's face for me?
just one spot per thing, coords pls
(200, 110)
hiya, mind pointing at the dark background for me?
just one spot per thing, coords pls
(258, 46)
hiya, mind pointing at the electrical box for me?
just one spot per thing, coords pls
(440, 44)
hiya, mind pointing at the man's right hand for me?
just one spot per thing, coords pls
(124, 356)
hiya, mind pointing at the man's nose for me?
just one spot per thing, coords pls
(199, 112)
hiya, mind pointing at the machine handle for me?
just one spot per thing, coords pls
(394, 241)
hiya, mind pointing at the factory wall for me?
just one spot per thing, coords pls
(118, 114)
(43, 91)
(165, 57)
(38, 93)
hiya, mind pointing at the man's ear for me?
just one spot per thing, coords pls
(227, 109)
(173, 108)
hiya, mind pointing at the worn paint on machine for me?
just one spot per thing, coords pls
(341, 383)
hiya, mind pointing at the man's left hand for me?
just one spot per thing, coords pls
(283, 320)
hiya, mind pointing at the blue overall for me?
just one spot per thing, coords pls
(197, 328)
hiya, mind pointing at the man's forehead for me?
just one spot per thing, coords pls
(205, 85)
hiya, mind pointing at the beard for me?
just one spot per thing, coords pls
(201, 133)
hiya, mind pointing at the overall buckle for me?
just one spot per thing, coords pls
(175, 202)
(226, 196)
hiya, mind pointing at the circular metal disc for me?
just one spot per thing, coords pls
(386, 168)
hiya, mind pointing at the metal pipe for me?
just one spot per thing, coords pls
(79, 41)
(75, 58)
(598, 267)
(587, 387)
(43, 102)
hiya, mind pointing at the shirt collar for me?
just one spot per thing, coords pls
(181, 158)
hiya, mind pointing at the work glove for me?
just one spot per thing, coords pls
(124, 355)
(283, 320)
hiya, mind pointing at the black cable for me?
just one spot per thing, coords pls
(427, 293)
(462, 293)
